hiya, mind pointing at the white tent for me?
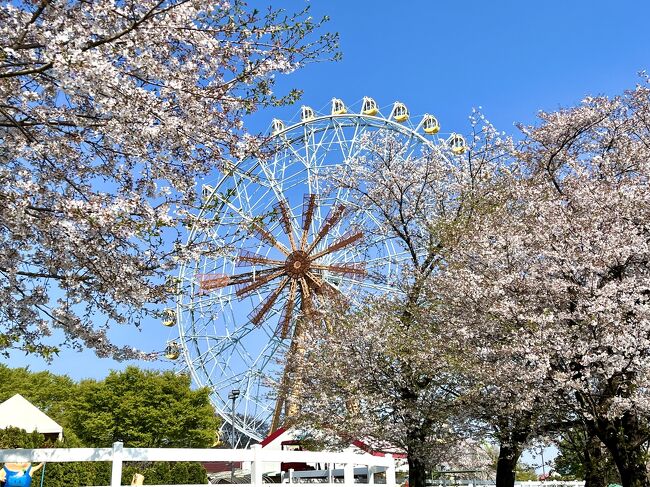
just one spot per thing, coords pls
(20, 413)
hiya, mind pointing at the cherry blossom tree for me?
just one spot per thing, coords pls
(369, 380)
(505, 394)
(562, 271)
(382, 369)
(109, 111)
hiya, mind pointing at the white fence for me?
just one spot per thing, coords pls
(551, 483)
(257, 457)
(518, 483)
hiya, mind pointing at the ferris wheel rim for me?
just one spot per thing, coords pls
(400, 127)
(325, 121)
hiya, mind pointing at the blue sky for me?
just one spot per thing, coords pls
(512, 58)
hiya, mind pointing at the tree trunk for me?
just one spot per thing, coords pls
(631, 464)
(506, 465)
(511, 441)
(417, 471)
(596, 464)
(625, 438)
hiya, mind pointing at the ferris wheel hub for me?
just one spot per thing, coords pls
(297, 264)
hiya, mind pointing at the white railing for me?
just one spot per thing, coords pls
(257, 456)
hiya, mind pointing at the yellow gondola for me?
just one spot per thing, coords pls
(457, 144)
(338, 107)
(217, 439)
(169, 317)
(430, 124)
(400, 113)
(277, 126)
(307, 114)
(206, 191)
(369, 106)
(173, 351)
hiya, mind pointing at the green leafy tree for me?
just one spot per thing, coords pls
(143, 409)
(19, 438)
(584, 457)
(48, 392)
(146, 409)
(525, 472)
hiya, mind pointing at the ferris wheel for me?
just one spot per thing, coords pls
(287, 237)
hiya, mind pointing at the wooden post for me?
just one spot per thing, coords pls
(116, 472)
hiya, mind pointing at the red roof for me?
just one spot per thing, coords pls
(272, 436)
(358, 443)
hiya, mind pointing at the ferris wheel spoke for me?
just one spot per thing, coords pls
(344, 147)
(332, 218)
(304, 292)
(287, 312)
(351, 155)
(259, 312)
(286, 221)
(370, 285)
(246, 258)
(247, 290)
(300, 158)
(315, 280)
(323, 147)
(308, 205)
(210, 282)
(357, 269)
(273, 183)
(347, 239)
(266, 236)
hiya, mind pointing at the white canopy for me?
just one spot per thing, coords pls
(20, 413)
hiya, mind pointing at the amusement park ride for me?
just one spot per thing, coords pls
(289, 237)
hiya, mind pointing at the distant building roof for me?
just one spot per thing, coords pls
(284, 434)
(20, 413)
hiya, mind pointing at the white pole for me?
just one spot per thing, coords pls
(116, 472)
(256, 466)
(390, 471)
(348, 473)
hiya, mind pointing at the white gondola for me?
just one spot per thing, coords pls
(457, 144)
(338, 107)
(369, 106)
(173, 351)
(306, 114)
(169, 317)
(400, 113)
(277, 126)
(430, 124)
